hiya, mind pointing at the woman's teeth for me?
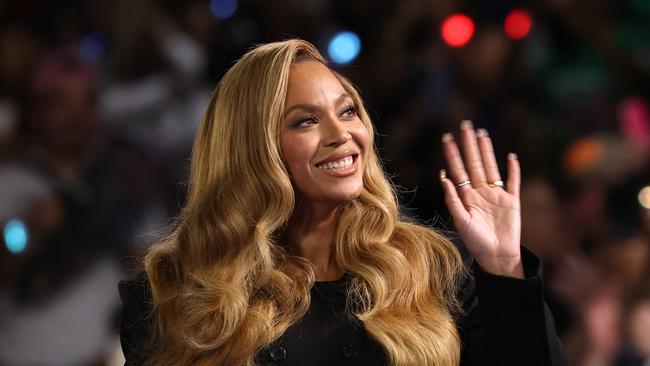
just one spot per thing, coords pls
(343, 163)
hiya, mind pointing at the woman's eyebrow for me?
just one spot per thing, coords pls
(342, 97)
(308, 107)
(311, 107)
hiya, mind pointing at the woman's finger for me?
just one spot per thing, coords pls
(472, 155)
(454, 161)
(514, 175)
(453, 201)
(487, 155)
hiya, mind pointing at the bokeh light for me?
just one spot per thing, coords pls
(457, 30)
(223, 9)
(583, 155)
(344, 47)
(518, 23)
(644, 197)
(15, 236)
(634, 120)
(92, 47)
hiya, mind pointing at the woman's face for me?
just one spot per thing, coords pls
(323, 139)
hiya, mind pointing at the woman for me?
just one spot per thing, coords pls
(290, 249)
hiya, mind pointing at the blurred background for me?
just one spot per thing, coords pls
(100, 101)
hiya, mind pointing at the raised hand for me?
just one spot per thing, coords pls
(486, 214)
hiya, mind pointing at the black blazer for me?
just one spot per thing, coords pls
(504, 322)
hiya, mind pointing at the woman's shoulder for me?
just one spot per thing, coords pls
(135, 289)
(135, 294)
(138, 278)
(137, 305)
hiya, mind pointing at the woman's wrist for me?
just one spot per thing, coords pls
(510, 267)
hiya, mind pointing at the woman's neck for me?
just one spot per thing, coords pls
(310, 234)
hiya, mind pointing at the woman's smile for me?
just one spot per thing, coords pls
(340, 167)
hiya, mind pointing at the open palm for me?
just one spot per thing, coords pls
(487, 217)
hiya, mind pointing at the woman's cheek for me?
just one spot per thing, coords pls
(296, 156)
(363, 137)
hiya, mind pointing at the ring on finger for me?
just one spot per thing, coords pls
(496, 183)
(463, 183)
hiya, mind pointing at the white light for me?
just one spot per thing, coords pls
(644, 197)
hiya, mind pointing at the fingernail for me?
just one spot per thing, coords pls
(447, 137)
(481, 132)
(466, 124)
(512, 156)
(443, 174)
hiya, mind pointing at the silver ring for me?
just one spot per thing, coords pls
(496, 183)
(463, 183)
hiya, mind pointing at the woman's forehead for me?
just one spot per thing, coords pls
(312, 79)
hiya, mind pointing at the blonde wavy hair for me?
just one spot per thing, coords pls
(223, 284)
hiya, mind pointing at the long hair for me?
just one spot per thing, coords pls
(223, 284)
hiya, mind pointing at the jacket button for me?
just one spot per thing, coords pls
(349, 351)
(278, 354)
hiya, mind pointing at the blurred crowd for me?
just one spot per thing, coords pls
(100, 101)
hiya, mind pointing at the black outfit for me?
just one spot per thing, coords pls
(504, 322)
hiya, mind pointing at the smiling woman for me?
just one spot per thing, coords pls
(290, 249)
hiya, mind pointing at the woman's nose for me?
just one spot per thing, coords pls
(335, 133)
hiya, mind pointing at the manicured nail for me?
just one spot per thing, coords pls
(447, 137)
(481, 132)
(466, 124)
(443, 174)
(512, 156)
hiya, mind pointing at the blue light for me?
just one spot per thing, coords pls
(223, 8)
(92, 46)
(15, 234)
(344, 47)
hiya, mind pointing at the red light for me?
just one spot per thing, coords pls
(457, 30)
(518, 23)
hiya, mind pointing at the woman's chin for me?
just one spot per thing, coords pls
(345, 197)
(334, 195)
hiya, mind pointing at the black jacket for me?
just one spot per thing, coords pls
(505, 322)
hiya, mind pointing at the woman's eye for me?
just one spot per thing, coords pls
(350, 111)
(306, 122)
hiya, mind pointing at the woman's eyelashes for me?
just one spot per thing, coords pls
(306, 121)
(349, 112)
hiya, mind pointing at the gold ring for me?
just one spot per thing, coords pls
(463, 183)
(496, 183)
